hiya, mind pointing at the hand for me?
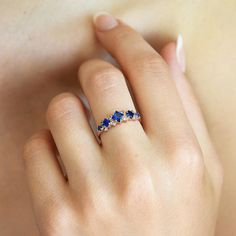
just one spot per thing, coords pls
(159, 178)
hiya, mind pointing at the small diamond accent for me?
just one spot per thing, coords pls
(116, 118)
(100, 128)
(137, 115)
(113, 123)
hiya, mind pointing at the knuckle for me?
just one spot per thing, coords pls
(62, 106)
(152, 63)
(105, 80)
(121, 38)
(93, 211)
(138, 189)
(188, 159)
(36, 144)
(96, 206)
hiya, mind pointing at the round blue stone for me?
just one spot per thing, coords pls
(106, 122)
(117, 116)
(130, 114)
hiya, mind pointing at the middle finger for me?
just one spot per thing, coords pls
(107, 92)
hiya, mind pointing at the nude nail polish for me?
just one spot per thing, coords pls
(180, 55)
(104, 21)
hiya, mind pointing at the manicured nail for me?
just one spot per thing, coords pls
(180, 53)
(104, 21)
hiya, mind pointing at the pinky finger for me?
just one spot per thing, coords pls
(45, 179)
(189, 101)
(174, 56)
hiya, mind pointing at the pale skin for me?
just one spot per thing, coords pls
(164, 179)
(41, 48)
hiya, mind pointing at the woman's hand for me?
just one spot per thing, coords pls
(159, 178)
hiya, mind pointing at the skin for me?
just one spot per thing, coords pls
(30, 76)
(136, 186)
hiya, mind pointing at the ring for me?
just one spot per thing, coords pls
(116, 118)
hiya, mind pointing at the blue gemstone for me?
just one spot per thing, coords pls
(106, 122)
(129, 114)
(100, 127)
(117, 116)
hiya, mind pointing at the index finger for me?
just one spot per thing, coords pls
(148, 75)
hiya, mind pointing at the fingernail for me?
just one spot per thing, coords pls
(104, 21)
(84, 100)
(180, 53)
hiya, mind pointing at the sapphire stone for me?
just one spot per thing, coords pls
(100, 127)
(130, 114)
(106, 122)
(117, 116)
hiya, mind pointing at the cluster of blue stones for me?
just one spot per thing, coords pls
(117, 117)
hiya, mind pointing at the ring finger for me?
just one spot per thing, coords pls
(106, 89)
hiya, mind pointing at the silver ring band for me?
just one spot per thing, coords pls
(116, 118)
